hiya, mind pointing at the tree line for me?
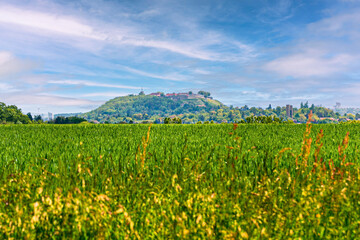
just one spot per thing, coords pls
(147, 109)
(11, 114)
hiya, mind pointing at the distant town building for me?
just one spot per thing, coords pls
(182, 95)
(194, 96)
(43, 116)
(338, 105)
(179, 96)
(158, 94)
(289, 111)
(51, 116)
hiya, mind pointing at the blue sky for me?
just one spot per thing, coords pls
(72, 56)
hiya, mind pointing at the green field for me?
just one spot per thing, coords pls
(180, 181)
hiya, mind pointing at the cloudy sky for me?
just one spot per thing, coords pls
(72, 56)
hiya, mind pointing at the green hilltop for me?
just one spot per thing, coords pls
(155, 107)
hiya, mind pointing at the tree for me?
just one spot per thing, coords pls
(176, 120)
(205, 94)
(278, 110)
(253, 110)
(306, 105)
(269, 107)
(312, 107)
(12, 114)
(351, 116)
(167, 120)
(59, 120)
(29, 116)
(38, 118)
(244, 108)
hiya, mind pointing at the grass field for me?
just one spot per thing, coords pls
(180, 181)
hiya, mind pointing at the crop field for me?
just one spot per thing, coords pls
(210, 181)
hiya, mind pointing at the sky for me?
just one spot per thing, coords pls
(72, 56)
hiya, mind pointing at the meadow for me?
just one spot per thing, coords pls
(213, 181)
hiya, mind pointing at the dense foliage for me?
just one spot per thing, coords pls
(67, 114)
(12, 114)
(214, 181)
(146, 108)
(67, 120)
(264, 120)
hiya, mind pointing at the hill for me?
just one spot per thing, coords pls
(154, 107)
(192, 108)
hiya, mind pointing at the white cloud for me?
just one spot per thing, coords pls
(186, 49)
(273, 12)
(48, 103)
(324, 48)
(201, 71)
(91, 84)
(9, 65)
(309, 65)
(349, 89)
(172, 77)
(104, 94)
(5, 57)
(338, 25)
(44, 21)
(47, 100)
(7, 88)
(351, 1)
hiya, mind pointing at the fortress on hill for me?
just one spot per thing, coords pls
(181, 96)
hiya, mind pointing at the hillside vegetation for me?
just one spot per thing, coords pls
(154, 108)
(192, 108)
